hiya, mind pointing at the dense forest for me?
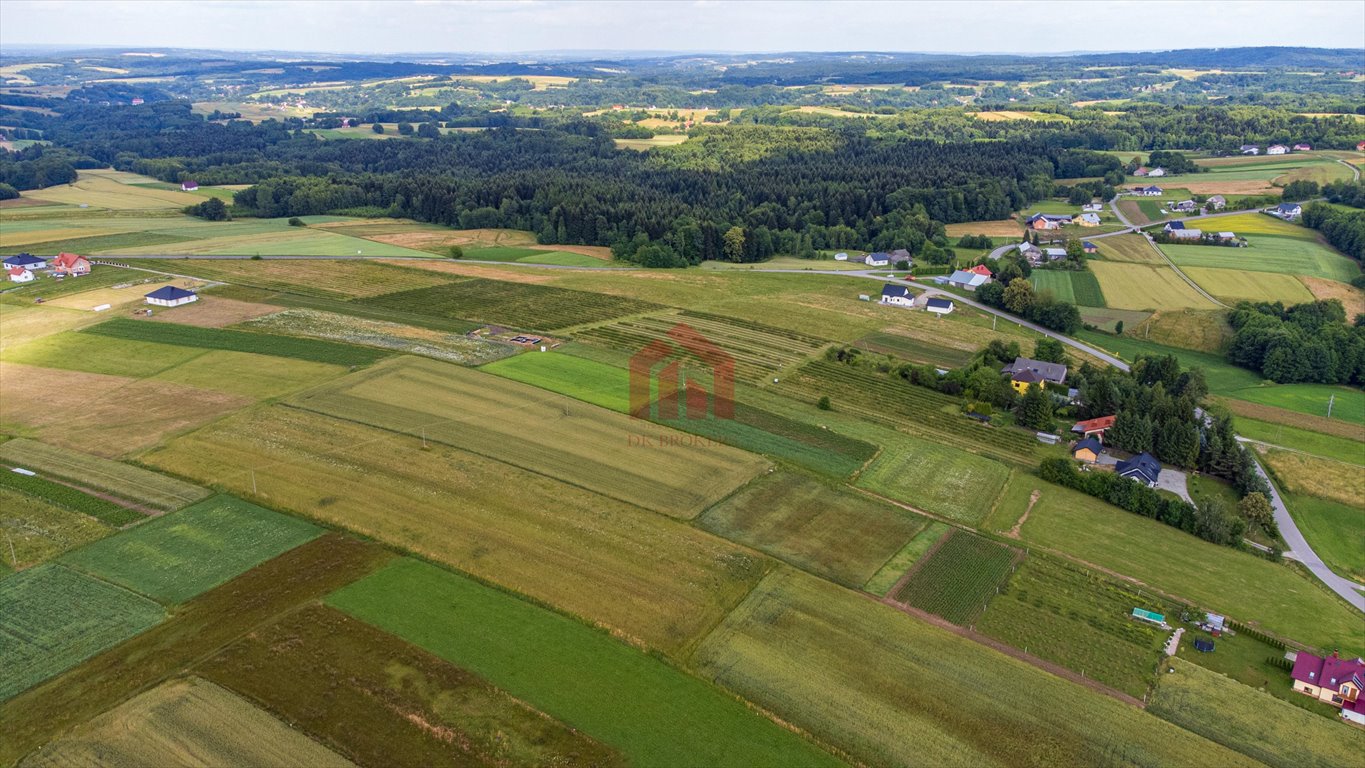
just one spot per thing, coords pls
(1308, 342)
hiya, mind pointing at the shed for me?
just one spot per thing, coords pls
(939, 306)
(170, 296)
(1087, 450)
(1153, 617)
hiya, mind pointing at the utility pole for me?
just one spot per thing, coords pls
(253, 482)
(1330, 402)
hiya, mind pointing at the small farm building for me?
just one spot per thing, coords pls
(1047, 221)
(1303, 147)
(841, 256)
(1092, 207)
(1087, 450)
(939, 306)
(967, 280)
(170, 296)
(1218, 202)
(1276, 149)
(20, 275)
(1155, 172)
(1250, 149)
(1090, 247)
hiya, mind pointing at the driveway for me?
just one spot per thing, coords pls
(1175, 481)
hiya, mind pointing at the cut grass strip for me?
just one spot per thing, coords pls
(142, 486)
(891, 572)
(238, 341)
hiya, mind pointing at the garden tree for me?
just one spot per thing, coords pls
(1132, 431)
(1177, 442)
(1301, 189)
(1075, 253)
(1214, 522)
(1256, 510)
(211, 209)
(295, 221)
(902, 265)
(991, 294)
(1049, 350)
(1118, 328)
(734, 244)
(7, 192)
(428, 131)
(405, 129)
(1018, 296)
(377, 128)
(1035, 409)
(455, 252)
(1078, 196)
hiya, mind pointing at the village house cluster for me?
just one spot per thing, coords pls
(24, 267)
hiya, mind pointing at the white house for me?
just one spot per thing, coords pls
(1155, 172)
(1183, 206)
(25, 261)
(898, 295)
(968, 280)
(1218, 202)
(841, 256)
(939, 306)
(1092, 207)
(1152, 191)
(20, 275)
(1277, 149)
(189, 186)
(1287, 210)
(1303, 147)
(877, 259)
(1250, 149)
(170, 296)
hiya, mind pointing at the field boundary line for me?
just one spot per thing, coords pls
(914, 568)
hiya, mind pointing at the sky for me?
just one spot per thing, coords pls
(510, 26)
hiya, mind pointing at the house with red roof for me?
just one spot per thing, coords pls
(20, 275)
(1094, 427)
(1333, 680)
(981, 269)
(1360, 146)
(71, 265)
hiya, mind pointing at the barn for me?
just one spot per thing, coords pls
(170, 296)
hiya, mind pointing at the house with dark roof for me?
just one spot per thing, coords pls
(1287, 211)
(1142, 468)
(1023, 381)
(1087, 450)
(877, 259)
(189, 186)
(967, 280)
(25, 261)
(1250, 149)
(899, 255)
(939, 306)
(1090, 247)
(170, 296)
(1052, 373)
(1152, 191)
(1094, 427)
(1333, 680)
(1172, 226)
(898, 295)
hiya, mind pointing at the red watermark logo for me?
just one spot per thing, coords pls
(682, 376)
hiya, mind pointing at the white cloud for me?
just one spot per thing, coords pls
(509, 26)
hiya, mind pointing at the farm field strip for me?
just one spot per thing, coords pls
(196, 629)
(653, 713)
(894, 568)
(639, 574)
(519, 305)
(1269, 253)
(312, 350)
(1070, 286)
(70, 498)
(936, 478)
(539, 431)
(36, 531)
(894, 690)
(55, 618)
(1140, 286)
(183, 554)
(381, 334)
(914, 350)
(1128, 248)
(400, 704)
(959, 578)
(313, 277)
(1234, 285)
(185, 722)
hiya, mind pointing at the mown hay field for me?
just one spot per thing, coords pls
(1268, 253)
(55, 618)
(315, 277)
(178, 556)
(1140, 286)
(530, 307)
(1077, 618)
(1072, 287)
(184, 722)
(894, 568)
(258, 377)
(893, 690)
(195, 631)
(1334, 530)
(1234, 285)
(20, 325)
(400, 705)
(109, 416)
(1252, 722)
(916, 350)
(1130, 248)
(959, 578)
(653, 713)
(936, 478)
(1326, 478)
(125, 481)
(382, 334)
(36, 530)
(606, 452)
(635, 572)
(97, 354)
(215, 312)
(832, 532)
(108, 189)
(312, 350)
(1248, 588)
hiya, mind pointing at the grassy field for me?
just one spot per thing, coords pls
(184, 722)
(1280, 254)
(894, 568)
(122, 480)
(640, 574)
(1336, 531)
(1234, 285)
(1244, 586)
(892, 690)
(1072, 287)
(1184, 328)
(937, 479)
(36, 531)
(325, 279)
(1344, 449)
(179, 556)
(1347, 404)
(400, 705)
(959, 578)
(831, 532)
(1129, 248)
(1078, 618)
(55, 618)
(651, 712)
(258, 377)
(96, 354)
(115, 190)
(439, 345)
(1252, 722)
(271, 344)
(1141, 286)
(1300, 473)
(600, 450)
(531, 307)
(195, 631)
(20, 325)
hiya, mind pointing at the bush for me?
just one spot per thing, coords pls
(297, 222)
(824, 404)
(456, 252)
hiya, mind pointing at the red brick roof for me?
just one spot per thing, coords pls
(67, 260)
(1094, 425)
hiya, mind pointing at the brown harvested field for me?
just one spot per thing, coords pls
(22, 324)
(399, 705)
(1132, 248)
(1130, 209)
(198, 629)
(1230, 187)
(426, 237)
(352, 278)
(1316, 476)
(1352, 298)
(994, 228)
(23, 202)
(656, 581)
(595, 251)
(1187, 329)
(1289, 418)
(214, 312)
(109, 416)
(18, 239)
(479, 270)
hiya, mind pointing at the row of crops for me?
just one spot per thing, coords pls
(959, 578)
(899, 404)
